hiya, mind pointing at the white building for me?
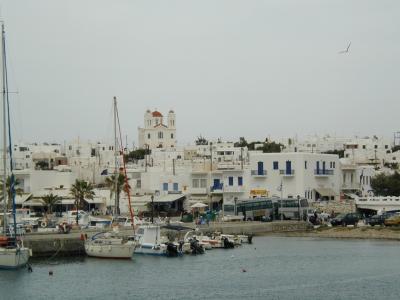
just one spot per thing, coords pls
(367, 150)
(288, 175)
(157, 134)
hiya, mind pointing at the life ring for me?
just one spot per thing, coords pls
(43, 224)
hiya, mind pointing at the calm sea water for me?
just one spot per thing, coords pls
(276, 268)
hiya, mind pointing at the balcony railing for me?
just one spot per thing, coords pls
(286, 172)
(217, 188)
(259, 173)
(319, 172)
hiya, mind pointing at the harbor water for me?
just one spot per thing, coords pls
(270, 268)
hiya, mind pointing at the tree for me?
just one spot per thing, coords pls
(81, 189)
(201, 141)
(121, 185)
(17, 191)
(242, 142)
(50, 201)
(386, 185)
(137, 154)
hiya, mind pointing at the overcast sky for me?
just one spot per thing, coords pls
(228, 68)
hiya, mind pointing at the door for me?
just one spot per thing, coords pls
(323, 167)
(288, 167)
(317, 167)
(260, 168)
(216, 184)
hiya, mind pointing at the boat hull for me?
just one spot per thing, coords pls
(110, 251)
(14, 258)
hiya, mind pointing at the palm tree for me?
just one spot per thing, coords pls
(121, 185)
(51, 200)
(17, 191)
(81, 190)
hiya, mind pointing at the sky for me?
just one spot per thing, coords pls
(228, 68)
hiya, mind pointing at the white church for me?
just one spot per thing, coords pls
(155, 133)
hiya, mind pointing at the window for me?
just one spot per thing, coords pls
(203, 183)
(176, 187)
(275, 165)
(305, 164)
(334, 164)
(195, 183)
(376, 146)
(386, 146)
(160, 135)
(364, 146)
(165, 186)
(230, 179)
(172, 135)
(148, 135)
(240, 180)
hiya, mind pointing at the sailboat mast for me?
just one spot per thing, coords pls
(4, 134)
(115, 158)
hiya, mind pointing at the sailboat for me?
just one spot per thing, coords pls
(113, 244)
(13, 253)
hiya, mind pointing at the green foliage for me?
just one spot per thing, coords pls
(42, 165)
(337, 152)
(50, 201)
(17, 191)
(121, 185)
(81, 189)
(242, 142)
(386, 185)
(201, 141)
(137, 154)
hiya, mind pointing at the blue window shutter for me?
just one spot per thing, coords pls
(240, 180)
(175, 186)
(230, 180)
(165, 186)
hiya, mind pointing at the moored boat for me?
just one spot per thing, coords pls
(110, 245)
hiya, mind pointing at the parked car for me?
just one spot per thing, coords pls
(376, 220)
(380, 219)
(393, 220)
(346, 219)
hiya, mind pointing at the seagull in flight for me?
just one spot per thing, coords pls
(345, 51)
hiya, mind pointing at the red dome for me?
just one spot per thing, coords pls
(156, 114)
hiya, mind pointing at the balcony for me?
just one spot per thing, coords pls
(322, 173)
(259, 173)
(217, 189)
(288, 173)
(233, 189)
(198, 190)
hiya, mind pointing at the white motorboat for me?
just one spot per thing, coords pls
(149, 242)
(110, 245)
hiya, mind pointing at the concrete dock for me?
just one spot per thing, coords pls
(56, 244)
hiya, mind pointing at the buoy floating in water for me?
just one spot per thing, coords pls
(244, 270)
(51, 273)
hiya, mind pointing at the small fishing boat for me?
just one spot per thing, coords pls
(149, 242)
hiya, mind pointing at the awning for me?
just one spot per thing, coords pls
(67, 201)
(33, 202)
(20, 199)
(168, 198)
(96, 200)
(325, 192)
